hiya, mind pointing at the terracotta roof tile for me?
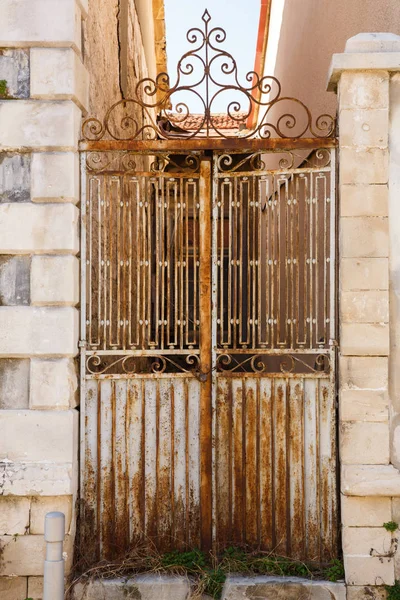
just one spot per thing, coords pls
(220, 120)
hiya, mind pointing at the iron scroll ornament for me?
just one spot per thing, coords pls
(152, 113)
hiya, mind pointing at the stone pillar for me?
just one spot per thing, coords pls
(366, 77)
(43, 92)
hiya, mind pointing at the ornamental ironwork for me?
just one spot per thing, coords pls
(207, 73)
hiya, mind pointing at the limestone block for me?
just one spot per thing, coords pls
(42, 505)
(365, 512)
(55, 177)
(266, 587)
(14, 383)
(364, 90)
(25, 555)
(15, 177)
(365, 165)
(32, 331)
(369, 570)
(44, 479)
(395, 440)
(364, 307)
(370, 480)
(39, 124)
(53, 384)
(364, 443)
(54, 280)
(145, 587)
(362, 592)
(363, 237)
(31, 435)
(364, 405)
(361, 62)
(363, 372)
(15, 280)
(373, 43)
(364, 339)
(364, 274)
(369, 128)
(35, 588)
(40, 23)
(364, 200)
(13, 588)
(362, 541)
(58, 73)
(395, 510)
(14, 515)
(38, 229)
(14, 70)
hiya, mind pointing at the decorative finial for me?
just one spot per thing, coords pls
(206, 16)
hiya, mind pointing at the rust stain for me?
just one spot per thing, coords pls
(193, 518)
(296, 473)
(266, 503)
(205, 356)
(245, 145)
(238, 471)
(222, 466)
(281, 492)
(251, 466)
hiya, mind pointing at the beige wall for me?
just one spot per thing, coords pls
(312, 30)
(117, 56)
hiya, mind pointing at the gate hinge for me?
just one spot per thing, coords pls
(82, 344)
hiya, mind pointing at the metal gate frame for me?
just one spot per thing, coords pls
(208, 266)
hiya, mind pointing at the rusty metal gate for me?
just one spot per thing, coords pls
(208, 338)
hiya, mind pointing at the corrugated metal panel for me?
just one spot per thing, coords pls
(142, 463)
(275, 465)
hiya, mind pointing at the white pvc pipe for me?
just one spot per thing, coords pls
(54, 530)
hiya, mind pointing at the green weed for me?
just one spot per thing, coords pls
(3, 88)
(335, 571)
(391, 526)
(393, 591)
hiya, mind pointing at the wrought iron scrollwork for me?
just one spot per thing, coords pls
(272, 363)
(129, 163)
(103, 364)
(206, 73)
(283, 160)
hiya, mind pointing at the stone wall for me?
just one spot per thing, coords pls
(43, 91)
(368, 247)
(115, 67)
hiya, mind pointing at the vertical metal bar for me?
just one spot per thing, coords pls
(214, 300)
(332, 254)
(162, 243)
(205, 354)
(82, 343)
